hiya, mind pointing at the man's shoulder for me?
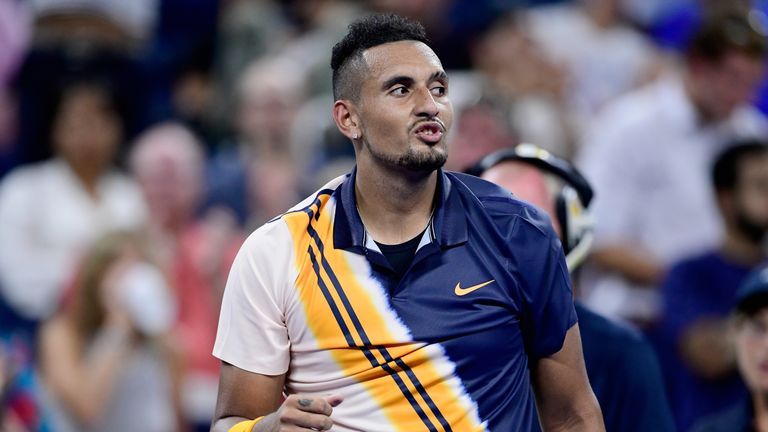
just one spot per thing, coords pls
(498, 203)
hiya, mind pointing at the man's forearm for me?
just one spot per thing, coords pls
(637, 267)
(589, 420)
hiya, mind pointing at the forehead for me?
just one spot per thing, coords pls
(757, 165)
(406, 58)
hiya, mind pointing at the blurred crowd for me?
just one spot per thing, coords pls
(142, 140)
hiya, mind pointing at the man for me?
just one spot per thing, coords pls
(621, 364)
(749, 331)
(698, 291)
(424, 300)
(648, 156)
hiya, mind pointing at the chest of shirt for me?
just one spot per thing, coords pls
(454, 296)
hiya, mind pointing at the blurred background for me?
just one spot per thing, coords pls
(142, 140)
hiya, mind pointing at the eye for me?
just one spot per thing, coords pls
(439, 90)
(399, 91)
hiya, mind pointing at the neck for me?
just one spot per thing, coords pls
(694, 92)
(88, 177)
(760, 405)
(394, 207)
(739, 248)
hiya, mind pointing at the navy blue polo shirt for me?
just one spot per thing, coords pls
(446, 345)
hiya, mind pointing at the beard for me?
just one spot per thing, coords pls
(754, 231)
(411, 160)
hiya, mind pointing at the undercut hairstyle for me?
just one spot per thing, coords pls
(727, 32)
(347, 60)
(725, 171)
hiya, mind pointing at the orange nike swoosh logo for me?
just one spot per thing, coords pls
(459, 291)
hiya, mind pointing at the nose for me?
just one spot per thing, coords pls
(426, 105)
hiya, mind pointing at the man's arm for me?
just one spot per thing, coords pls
(245, 396)
(563, 396)
(636, 266)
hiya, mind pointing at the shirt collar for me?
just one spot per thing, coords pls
(448, 226)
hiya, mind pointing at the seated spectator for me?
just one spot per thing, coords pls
(51, 211)
(749, 331)
(197, 252)
(698, 292)
(106, 361)
(480, 130)
(621, 365)
(648, 155)
(524, 81)
(603, 55)
(257, 176)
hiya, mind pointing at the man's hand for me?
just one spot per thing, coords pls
(302, 413)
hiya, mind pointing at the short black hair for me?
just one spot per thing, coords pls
(365, 33)
(725, 170)
(729, 31)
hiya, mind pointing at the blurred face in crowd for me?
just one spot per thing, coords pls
(751, 197)
(167, 162)
(751, 343)
(725, 84)
(87, 130)
(480, 131)
(403, 111)
(527, 183)
(270, 95)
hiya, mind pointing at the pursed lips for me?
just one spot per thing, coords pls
(429, 131)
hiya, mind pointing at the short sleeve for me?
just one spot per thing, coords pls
(545, 287)
(252, 332)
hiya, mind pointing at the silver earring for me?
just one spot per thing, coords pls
(354, 136)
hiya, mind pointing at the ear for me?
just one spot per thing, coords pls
(346, 119)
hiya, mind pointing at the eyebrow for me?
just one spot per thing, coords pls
(408, 81)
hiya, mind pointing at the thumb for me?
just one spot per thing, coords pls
(334, 400)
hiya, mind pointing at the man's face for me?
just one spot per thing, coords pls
(751, 339)
(751, 197)
(728, 83)
(403, 110)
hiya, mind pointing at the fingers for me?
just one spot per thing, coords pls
(320, 405)
(334, 400)
(307, 421)
(308, 412)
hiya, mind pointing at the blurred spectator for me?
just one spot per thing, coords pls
(257, 177)
(248, 30)
(169, 165)
(177, 66)
(603, 56)
(106, 360)
(318, 25)
(648, 155)
(480, 130)
(115, 22)
(749, 334)
(51, 211)
(698, 292)
(15, 29)
(530, 87)
(19, 408)
(622, 368)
